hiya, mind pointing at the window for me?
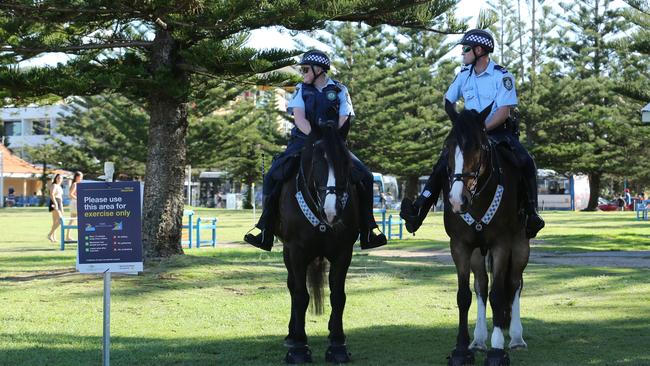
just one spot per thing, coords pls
(13, 128)
(41, 127)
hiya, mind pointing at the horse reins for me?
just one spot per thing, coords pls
(498, 193)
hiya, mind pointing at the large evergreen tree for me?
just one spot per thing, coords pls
(104, 128)
(160, 51)
(590, 125)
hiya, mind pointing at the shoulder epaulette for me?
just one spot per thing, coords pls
(500, 68)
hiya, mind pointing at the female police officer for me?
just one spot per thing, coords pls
(310, 104)
(481, 83)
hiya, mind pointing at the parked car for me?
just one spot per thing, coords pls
(612, 205)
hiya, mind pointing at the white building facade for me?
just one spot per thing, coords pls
(32, 126)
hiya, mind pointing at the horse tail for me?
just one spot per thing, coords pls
(489, 260)
(315, 277)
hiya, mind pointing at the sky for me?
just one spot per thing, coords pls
(263, 38)
(269, 37)
(272, 38)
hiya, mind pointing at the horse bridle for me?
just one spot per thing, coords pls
(459, 177)
(316, 218)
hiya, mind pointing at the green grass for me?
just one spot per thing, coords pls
(229, 306)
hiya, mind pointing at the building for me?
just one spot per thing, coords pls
(32, 126)
(21, 179)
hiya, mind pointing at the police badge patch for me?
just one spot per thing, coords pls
(331, 95)
(507, 83)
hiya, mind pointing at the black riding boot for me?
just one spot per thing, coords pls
(264, 240)
(414, 213)
(370, 236)
(534, 223)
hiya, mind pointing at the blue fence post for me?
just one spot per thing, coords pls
(62, 233)
(190, 229)
(400, 228)
(214, 232)
(198, 233)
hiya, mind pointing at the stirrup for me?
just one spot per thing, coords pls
(411, 215)
(261, 240)
(370, 240)
(534, 223)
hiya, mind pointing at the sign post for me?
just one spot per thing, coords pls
(110, 235)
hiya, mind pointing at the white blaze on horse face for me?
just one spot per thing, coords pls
(456, 193)
(497, 338)
(516, 330)
(480, 332)
(330, 198)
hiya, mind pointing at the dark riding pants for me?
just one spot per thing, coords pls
(525, 160)
(285, 166)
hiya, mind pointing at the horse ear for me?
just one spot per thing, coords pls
(486, 112)
(450, 108)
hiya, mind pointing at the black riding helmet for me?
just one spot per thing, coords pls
(315, 58)
(478, 37)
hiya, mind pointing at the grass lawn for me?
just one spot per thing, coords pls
(229, 305)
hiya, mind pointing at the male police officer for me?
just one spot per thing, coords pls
(480, 83)
(317, 98)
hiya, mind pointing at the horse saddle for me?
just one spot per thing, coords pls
(287, 167)
(504, 150)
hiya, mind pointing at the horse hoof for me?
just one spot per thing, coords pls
(497, 357)
(478, 346)
(517, 344)
(460, 358)
(298, 355)
(337, 354)
(291, 343)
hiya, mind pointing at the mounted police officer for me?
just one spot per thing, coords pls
(481, 83)
(317, 98)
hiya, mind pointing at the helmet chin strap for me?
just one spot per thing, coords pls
(476, 58)
(316, 76)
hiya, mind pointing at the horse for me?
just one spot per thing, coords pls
(483, 216)
(318, 220)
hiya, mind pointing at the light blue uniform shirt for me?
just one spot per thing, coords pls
(345, 107)
(495, 84)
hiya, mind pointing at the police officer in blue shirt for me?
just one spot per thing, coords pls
(480, 83)
(313, 101)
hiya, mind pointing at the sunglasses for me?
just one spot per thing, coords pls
(305, 69)
(467, 49)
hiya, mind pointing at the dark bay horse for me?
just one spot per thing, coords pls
(484, 218)
(318, 220)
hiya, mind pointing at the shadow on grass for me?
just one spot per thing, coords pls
(39, 275)
(549, 344)
(247, 271)
(593, 242)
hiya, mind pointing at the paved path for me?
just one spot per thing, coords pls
(623, 259)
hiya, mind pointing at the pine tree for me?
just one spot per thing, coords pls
(161, 51)
(590, 123)
(104, 128)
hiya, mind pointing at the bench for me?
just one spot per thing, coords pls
(387, 225)
(642, 210)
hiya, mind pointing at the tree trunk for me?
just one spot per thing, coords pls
(411, 187)
(166, 160)
(594, 191)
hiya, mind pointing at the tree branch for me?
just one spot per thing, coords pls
(89, 46)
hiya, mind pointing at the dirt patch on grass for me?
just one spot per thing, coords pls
(622, 259)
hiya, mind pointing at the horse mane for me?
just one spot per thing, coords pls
(467, 130)
(337, 152)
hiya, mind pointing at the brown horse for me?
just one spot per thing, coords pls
(483, 217)
(318, 220)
